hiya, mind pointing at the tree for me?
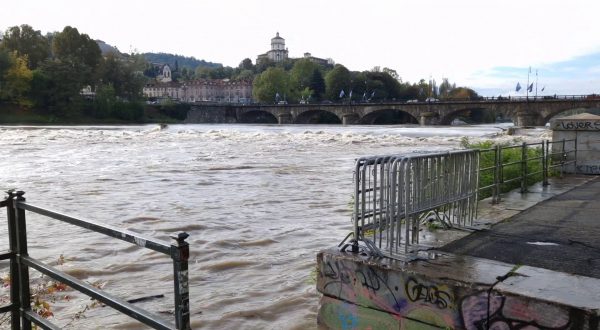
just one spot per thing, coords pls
(63, 85)
(301, 74)
(17, 80)
(269, 84)
(122, 76)
(246, 64)
(317, 84)
(336, 80)
(384, 85)
(392, 73)
(463, 93)
(27, 42)
(78, 50)
(5, 64)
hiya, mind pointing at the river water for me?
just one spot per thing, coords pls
(258, 201)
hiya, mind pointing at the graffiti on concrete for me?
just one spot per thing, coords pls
(431, 294)
(361, 295)
(588, 169)
(395, 293)
(346, 279)
(577, 125)
(498, 312)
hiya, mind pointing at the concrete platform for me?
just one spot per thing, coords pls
(561, 233)
(530, 262)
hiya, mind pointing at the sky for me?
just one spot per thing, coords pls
(487, 45)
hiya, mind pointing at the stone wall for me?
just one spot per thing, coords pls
(586, 129)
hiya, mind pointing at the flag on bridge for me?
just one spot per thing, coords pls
(530, 88)
(350, 95)
(373, 94)
(342, 94)
(518, 87)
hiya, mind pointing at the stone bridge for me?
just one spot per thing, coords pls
(522, 111)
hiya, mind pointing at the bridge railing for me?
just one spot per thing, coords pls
(512, 98)
(21, 314)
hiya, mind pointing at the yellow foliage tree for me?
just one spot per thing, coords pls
(17, 80)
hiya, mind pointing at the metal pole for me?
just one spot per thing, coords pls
(544, 162)
(180, 253)
(15, 301)
(24, 292)
(524, 167)
(575, 147)
(497, 175)
(564, 158)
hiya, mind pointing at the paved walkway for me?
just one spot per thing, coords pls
(561, 233)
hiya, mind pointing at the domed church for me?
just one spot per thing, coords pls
(278, 51)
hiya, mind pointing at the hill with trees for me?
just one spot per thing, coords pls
(49, 73)
(179, 61)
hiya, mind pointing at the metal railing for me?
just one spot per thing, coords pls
(532, 161)
(22, 315)
(394, 194)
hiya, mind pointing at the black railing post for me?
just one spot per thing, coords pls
(24, 293)
(564, 158)
(545, 162)
(524, 167)
(180, 253)
(15, 302)
(498, 175)
(575, 156)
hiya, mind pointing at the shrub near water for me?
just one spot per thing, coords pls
(487, 159)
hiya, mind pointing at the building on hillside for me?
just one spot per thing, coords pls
(203, 90)
(320, 61)
(277, 53)
(165, 76)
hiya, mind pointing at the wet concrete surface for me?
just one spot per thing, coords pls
(554, 227)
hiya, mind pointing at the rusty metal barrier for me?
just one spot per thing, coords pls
(22, 315)
(394, 194)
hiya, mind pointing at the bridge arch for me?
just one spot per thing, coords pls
(257, 117)
(317, 116)
(388, 117)
(474, 115)
(551, 114)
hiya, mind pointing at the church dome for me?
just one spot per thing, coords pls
(277, 37)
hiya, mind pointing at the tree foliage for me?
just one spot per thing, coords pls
(336, 80)
(17, 80)
(72, 47)
(26, 41)
(269, 84)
